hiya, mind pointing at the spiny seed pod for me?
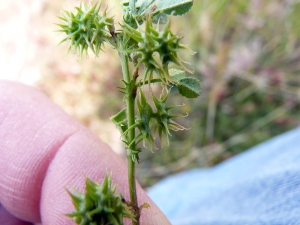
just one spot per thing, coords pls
(159, 122)
(145, 51)
(143, 122)
(164, 43)
(100, 205)
(144, 119)
(168, 47)
(86, 28)
(163, 118)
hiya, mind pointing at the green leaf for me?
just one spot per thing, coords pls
(143, 6)
(120, 120)
(176, 75)
(189, 87)
(177, 7)
(161, 18)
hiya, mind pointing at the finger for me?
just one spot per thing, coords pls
(7, 219)
(83, 154)
(31, 131)
(45, 151)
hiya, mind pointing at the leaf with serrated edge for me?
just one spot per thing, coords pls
(174, 7)
(189, 87)
(176, 75)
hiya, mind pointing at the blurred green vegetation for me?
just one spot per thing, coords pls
(247, 59)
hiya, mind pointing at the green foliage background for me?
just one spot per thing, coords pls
(248, 63)
(247, 60)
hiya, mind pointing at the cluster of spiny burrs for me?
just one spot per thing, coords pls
(149, 122)
(163, 118)
(153, 41)
(86, 29)
(100, 205)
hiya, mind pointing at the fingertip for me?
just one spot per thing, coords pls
(85, 155)
(8, 219)
(81, 155)
(32, 129)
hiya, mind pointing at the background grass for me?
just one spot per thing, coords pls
(247, 60)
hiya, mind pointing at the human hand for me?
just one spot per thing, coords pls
(43, 151)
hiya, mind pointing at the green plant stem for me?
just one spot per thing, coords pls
(130, 98)
(140, 84)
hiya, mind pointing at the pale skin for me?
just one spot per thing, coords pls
(43, 151)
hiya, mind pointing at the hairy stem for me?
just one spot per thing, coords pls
(130, 98)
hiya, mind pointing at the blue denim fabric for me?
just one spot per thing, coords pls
(259, 186)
